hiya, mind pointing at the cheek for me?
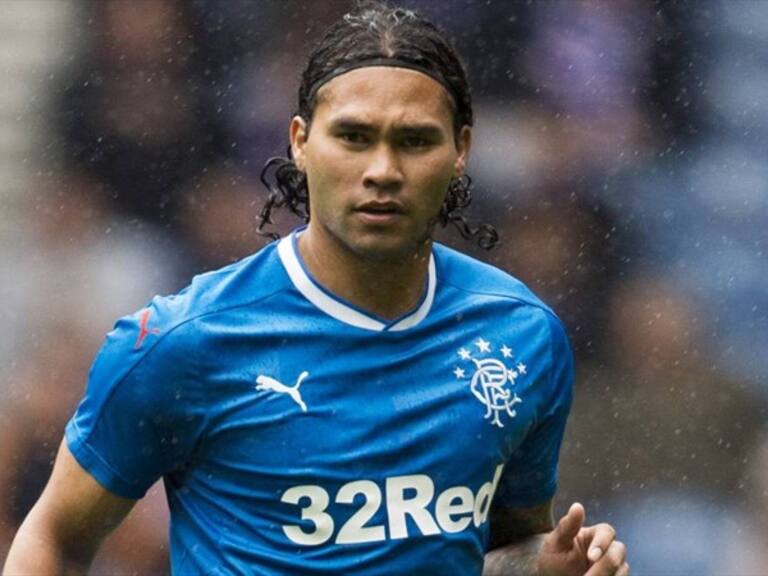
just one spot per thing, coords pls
(326, 171)
(436, 180)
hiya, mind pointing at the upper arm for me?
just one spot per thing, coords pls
(531, 473)
(510, 524)
(144, 408)
(523, 505)
(65, 527)
(76, 508)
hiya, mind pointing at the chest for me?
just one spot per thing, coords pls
(349, 437)
(311, 404)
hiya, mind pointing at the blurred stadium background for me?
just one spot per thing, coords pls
(620, 149)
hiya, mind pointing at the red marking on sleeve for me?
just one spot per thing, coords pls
(143, 330)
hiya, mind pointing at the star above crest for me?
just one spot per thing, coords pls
(483, 345)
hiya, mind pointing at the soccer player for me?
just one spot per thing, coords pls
(354, 398)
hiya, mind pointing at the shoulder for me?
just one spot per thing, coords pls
(501, 295)
(167, 326)
(486, 282)
(242, 283)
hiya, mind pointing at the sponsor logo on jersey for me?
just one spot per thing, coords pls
(455, 510)
(492, 381)
(268, 383)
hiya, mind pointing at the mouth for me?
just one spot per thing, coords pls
(381, 207)
(381, 213)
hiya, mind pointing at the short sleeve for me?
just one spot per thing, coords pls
(142, 412)
(530, 477)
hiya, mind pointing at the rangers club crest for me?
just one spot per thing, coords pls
(492, 381)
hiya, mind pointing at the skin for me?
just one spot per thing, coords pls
(62, 532)
(378, 135)
(525, 541)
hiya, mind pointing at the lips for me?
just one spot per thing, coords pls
(377, 207)
(380, 213)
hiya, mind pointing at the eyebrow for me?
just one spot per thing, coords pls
(356, 125)
(351, 125)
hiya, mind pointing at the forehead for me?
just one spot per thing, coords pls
(385, 92)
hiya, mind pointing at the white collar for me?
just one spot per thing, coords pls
(336, 307)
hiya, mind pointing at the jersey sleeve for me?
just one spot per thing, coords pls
(530, 476)
(143, 410)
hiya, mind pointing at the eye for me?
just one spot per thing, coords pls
(354, 137)
(415, 142)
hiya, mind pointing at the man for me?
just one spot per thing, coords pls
(352, 398)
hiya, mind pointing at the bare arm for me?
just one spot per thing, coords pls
(9, 453)
(65, 527)
(517, 535)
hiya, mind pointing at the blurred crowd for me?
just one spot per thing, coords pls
(619, 149)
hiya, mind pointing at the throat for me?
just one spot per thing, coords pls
(387, 288)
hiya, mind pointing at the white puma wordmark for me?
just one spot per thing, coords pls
(267, 383)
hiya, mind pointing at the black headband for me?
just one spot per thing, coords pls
(369, 62)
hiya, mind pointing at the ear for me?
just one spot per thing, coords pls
(463, 145)
(298, 138)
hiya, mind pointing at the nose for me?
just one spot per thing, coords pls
(383, 170)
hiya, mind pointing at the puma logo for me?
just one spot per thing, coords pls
(267, 383)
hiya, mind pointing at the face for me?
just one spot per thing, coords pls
(379, 157)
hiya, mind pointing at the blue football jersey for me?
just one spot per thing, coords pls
(298, 434)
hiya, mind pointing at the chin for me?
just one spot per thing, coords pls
(384, 249)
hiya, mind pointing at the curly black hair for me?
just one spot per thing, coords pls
(375, 31)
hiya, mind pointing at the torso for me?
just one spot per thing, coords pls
(300, 435)
(399, 446)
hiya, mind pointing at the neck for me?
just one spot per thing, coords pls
(387, 287)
